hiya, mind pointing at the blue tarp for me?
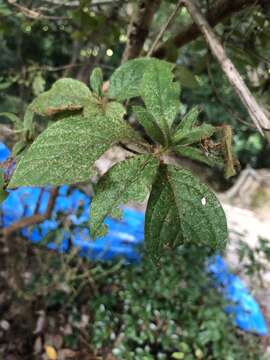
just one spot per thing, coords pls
(123, 240)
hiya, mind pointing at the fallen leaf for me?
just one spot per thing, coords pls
(50, 352)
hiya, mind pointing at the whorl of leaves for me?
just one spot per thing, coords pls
(85, 125)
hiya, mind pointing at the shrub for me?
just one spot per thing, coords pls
(172, 312)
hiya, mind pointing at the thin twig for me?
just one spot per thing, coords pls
(164, 29)
(34, 14)
(226, 107)
(35, 219)
(77, 3)
(255, 111)
(220, 10)
(67, 3)
(40, 196)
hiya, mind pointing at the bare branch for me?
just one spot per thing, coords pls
(66, 3)
(164, 28)
(35, 14)
(139, 27)
(254, 109)
(35, 219)
(75, 3)
(219, 11)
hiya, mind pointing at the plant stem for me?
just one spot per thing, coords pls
(35, 219)
(164, 28)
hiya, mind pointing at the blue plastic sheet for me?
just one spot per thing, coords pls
(123, 240)
(246, 311)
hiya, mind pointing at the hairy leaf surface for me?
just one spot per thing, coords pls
(182, 209)
(96, 80)
(65, 94)
(198, 155)
(189, 120)
(65, 152)
(125, 81)
(161, 94)
(148, 122)
(128, 180)
(194, 135)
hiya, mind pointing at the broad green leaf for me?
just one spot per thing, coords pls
(3, 193)
(198, 155)
(66, 151)
(189, 120)
(194, 135)
(161, 94)
(128, 180)
(116, 111)
(65, 95)
(182, 209)
(125, 81)
(148, 122)
(96, 80)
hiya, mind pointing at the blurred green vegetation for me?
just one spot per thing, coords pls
(70, 40)
(140, 312)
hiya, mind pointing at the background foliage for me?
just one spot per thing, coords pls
(70, 41)
(160, 316)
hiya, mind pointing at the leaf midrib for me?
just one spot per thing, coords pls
(179, 206)
(126, 185)
(163, 118)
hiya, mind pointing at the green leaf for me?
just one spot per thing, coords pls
(128, 180)
(189, 120)
(149, 124)
(178, 355)
(161, 94)
(19, 147)
(96, 80)
(38, 84)
(28, 119)
(115, 111)
(3, 193)
(66, 151)
(191, 136)
(125, 81)
(182, 209)
(10, 116)
(198, 155)
(186, 77)
(65, 95)
(4, 10)
(14, 119)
